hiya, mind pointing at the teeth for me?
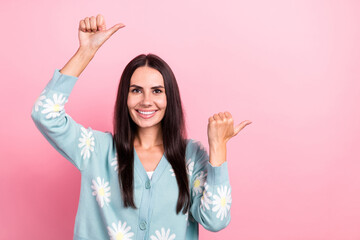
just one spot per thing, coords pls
(146, 113)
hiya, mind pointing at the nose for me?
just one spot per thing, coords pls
(147, 100)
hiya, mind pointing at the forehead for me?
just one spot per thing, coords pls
(146, 76)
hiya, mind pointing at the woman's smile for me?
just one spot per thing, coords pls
(146, 114)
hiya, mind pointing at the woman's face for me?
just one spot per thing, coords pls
(146, 100)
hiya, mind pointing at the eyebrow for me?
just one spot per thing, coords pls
(136, 86)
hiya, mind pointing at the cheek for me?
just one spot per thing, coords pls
(130, 102)
(162, 103)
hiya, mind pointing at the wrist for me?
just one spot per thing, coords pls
(217, 153)
(86, 52)
(217, 145)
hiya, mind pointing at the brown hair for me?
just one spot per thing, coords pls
(173, 129)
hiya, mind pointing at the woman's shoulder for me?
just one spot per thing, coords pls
(196, 155)
(194, 146)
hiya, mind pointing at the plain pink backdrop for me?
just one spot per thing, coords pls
(291, 67)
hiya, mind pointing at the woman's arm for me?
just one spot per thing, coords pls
(72, 140)
(76, 65)
(75, 142)
(210, 186)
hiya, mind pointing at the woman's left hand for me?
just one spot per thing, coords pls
(221, 128)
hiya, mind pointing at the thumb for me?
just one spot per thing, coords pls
(112, 30)
(240, 126)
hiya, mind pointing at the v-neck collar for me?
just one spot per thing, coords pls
(142, 172)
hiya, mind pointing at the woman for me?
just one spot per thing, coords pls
(147, 181)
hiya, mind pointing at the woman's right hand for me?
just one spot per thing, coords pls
(93, 32)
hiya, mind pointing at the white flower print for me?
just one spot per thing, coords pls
(114, 162)
(189, 167)
(198, 183)
(172, 172)
(53, 108)
(39, 102)
(87, 143)
(101, 190)
(222, 202)
(205, 199)
(120, 231)
(163, 235)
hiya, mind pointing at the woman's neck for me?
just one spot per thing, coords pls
(147, 138)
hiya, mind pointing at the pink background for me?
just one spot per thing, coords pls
(291, 67)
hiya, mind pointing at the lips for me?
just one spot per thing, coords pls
(146, 114)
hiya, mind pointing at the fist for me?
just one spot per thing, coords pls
(93, 32)
(221, 128)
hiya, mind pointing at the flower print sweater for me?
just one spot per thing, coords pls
(101, 214)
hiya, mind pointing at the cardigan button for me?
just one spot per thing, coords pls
(143, 225)
(147, 184)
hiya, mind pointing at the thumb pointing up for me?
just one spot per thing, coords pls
(93, 32)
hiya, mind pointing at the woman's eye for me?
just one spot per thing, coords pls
(157, 91)
(135, 90)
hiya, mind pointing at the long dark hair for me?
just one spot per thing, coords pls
(173, 129)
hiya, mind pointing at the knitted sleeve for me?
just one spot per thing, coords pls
(75, 142)
(210, 191)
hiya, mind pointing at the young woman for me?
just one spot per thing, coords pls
(146, 181)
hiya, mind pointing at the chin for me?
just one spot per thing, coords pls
(147, 125)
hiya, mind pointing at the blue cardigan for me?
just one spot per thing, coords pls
(101, 214)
